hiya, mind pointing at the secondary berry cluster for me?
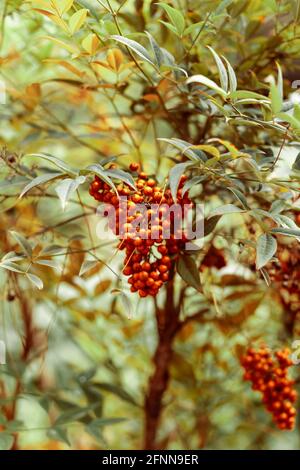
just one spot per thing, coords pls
(150, 233)
(269, 376)
(285, 274)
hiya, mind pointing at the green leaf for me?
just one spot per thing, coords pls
(296, 112)
(240, 197)
(134, 46)
(87, 265)
(286, 231)
(245, 94)
(280, 81)
(122, 176)
(52, 250)
(277, 206)
(101, 172)
(231, 76)
(158, 53)
(35, 280)
(207, 82)
(115, 390)
(185, 148)
(25, 245)
(174, 177)
(192, 182)
(226, 209)
(221, 68)
(276, 100)
(56, 161)
(11, 256)
(210, 224)
(77, 20)
(59, 434)
(40, 180)
(295, 123)
(74, 414)
(188, 271)
(296, 164)
(125, 301)
(193, 27)
(12, 267)
(49, 263)
(169, 26)
(6, 441)
(265, 249)
(69, 47)
(67, 187)
(175, 16)
(63, 6)
(88, 6)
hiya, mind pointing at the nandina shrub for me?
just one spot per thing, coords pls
(123, 326)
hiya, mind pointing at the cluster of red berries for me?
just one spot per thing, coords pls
(269, 376)
(151, 234)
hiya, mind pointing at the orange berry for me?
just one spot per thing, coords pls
(134, 167)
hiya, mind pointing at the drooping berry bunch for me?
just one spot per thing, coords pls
(151, 234)
(269, 376)
(285, 276)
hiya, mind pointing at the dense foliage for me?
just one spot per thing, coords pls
(181, 101)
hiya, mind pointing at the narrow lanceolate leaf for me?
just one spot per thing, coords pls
(188, 271)
(290, 232)
(207, 82)
(35, 280)
(56, 161)
(122, 176)
(90, 43)
(280, 81)
(226, 209)
(246, 94)
(240, 196)
(175, 16)
(295, 123)
(184, 147)
(134, 46)
(59, 434)
(221, 69)
(265, 249)
(11, 256)
(158, 53)
(62, 6)
(10, 266)
(87, 265)
(65, 45)
(125, 301)
(24, 244)
(40, 180)
(67, 187)
(49, 263)
(101, 172)
(208, 149)
(210, 224)
(296, 164)
(174, 177)
(231, 76)
(77, 20)
(276, 100)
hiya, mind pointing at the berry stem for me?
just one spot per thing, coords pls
(168, 324)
